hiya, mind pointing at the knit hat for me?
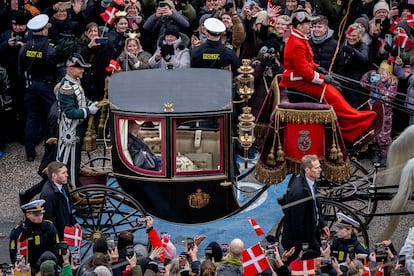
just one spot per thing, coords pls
(102, 271)
(364, 21)
(47, 267)
(203, 18)
(409, 7)
(381, 5)
(172, 30)
(20, 17)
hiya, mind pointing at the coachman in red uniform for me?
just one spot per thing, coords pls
(300, 75)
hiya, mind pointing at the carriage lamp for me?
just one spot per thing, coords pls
(246, 131)
(245, 81)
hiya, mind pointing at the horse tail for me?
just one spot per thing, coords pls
(400, 199)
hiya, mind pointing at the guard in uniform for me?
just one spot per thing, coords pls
(37, 68)
(33, 236)
(74, 108)
(212, 53)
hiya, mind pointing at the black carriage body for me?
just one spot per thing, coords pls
(185, 118)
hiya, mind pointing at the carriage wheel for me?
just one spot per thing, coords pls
(329, 208)
(104, 211)
(357, 191)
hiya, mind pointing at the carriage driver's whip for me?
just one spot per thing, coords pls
(340, 31)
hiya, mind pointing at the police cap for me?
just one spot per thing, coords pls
(39, 22)
(300, 16)
(35, 206)
(345, 221)
(214, 26)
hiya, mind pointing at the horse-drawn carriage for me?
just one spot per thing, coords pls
(186, 117)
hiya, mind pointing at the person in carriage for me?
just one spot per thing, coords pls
(301, 74)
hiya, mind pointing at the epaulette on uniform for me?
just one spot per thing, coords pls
(66, 89)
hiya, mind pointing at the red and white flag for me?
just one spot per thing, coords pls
(21, 246)
(380, 271)
(259, 231)
(254, 260)
(403, 40)
(303, 268)
(410, 20)
(133, 2)
(109, 15)
(394, 24)
(366, 271)
(113, 66)
(73, 236)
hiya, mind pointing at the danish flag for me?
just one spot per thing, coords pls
(410, 20)
(113, 65)
(394, 24)
(21, 246)
(303, 268)
(259, 231)
(366, 272)
(254, 260)
(109, 15)
(132, 2)
(403, 40)
(73, 236)
(380, 271)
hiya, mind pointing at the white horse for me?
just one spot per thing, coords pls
(400, 169)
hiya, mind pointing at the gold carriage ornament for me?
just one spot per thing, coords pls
(245, 81)
(199, 199)
(245, 89)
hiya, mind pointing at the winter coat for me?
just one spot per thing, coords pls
(180, 59)
(230, 266)
(323, 49)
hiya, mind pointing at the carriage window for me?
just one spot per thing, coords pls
(141, 143)
(198, 144)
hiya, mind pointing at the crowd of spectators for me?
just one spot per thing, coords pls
(121, 255)
(150, 34)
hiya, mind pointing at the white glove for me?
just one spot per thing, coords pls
(93, 108)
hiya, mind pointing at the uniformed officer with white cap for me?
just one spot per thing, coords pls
(33, 236)
(212, 53)
(346, 244)
(37, 68)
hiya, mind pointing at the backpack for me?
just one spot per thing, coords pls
(66, 46)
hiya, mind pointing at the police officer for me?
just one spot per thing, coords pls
(345, 244)
(212, 53)
(33, 236)
(37, 68)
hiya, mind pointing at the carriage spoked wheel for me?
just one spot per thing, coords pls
(357, 192)
(329, 208)
(104, 212)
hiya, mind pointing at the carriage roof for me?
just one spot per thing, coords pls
(189, 90)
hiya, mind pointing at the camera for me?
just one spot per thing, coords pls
(326, 261)
(167, 50)
(101, 40)
(161, 267)
(305, 247)
(196, 33)
(351, 252)
(381, 252)
(324, 244)
(208, 252)
(270, 251)
(62, 248)
(75, 257)
(401, 260)
(190, 243)
(6, 269)
(142, 221)
(162, 4)
(130, 251)
(302, 3)
(224, 247)
(111, 242)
